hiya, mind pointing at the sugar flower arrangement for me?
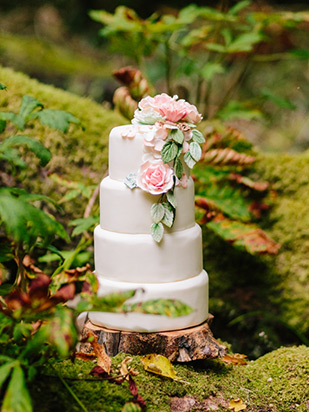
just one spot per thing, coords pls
(171, 142)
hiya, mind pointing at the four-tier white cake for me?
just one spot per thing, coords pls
(147, 238)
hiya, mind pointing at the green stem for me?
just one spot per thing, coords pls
(74, 396)
(68, 262)
(168, 57)
(237, 80)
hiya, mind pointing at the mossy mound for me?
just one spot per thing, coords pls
(274, 383)
(57, 64)
(78, 155)
(266, 297)
(78, 151)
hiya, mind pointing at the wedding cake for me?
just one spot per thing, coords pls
(147, 239)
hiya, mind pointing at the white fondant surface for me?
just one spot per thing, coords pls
(125, 155)
(193, 292)
(127, 210)
(138, 258)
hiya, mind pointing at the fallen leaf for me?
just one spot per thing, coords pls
(235, 359)
(99, 372)
(237, 405)
(85, 356)
(134, 391)
(125, 371)
(158, 364)
(104, 361)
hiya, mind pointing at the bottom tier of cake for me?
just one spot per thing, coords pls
(192, 291)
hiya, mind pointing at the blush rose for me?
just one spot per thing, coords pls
(155, 177)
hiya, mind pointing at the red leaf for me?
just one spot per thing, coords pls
(137, 397)
(39, 287)
(16, 300)
(132, 386)
(259, 186)
(99, 372)
(65, 293)
(256, 208)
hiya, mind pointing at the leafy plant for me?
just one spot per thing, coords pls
(228, 201)
(201, 50)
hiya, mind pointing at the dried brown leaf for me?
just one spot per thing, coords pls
(235, 359)
(104, 361)
(85, 356)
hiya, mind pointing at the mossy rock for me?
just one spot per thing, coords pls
(57, 64)
(78, 155)
(266, 297)
(277, 382)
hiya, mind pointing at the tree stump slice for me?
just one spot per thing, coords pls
(178, 346)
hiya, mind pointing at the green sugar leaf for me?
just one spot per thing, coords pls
(198, 136)
(178, 168)
(130, 180)
(171, 198)
(195, 151)
(190, 162)
(157, 231)
(169, 151)
(177, 136)
(157, 212)
(169, 215)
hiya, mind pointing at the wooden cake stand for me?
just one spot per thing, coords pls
(178, 346)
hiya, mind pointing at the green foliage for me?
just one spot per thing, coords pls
(167, 307)
(17, 397)
(228, 201)
(8, 153)
(194, 48)
(25, 223)
(58, 119)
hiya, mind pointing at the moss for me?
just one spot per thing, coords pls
(270, 293)
(35, 55)
(275, 382)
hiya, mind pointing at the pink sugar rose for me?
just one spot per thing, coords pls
(192, 116)
(155, 177)
(155, 138)
(172, 109)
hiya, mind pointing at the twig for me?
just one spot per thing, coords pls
(93, 199)
(238, 79)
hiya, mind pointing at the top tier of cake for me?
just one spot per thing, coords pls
(125, 154)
